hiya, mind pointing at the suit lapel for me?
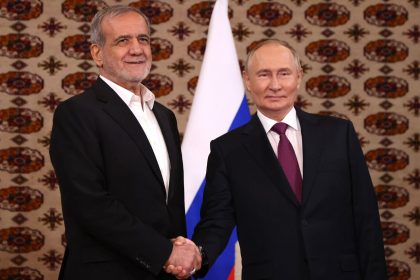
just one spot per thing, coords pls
(170, 140)
(312, 142)
(122, 115)
(257, 144)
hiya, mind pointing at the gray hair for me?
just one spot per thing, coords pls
(274, 42)
(96, 34)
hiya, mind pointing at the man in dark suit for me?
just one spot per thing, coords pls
(324, 227)
(116, 152)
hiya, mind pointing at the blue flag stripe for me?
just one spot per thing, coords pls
(224, 264)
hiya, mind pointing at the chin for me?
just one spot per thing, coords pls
(137, 78)
(141, 76)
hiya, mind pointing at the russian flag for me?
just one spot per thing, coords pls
(219, 106)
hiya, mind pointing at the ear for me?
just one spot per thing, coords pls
(300, 77)
(96, 53)
(246, 80)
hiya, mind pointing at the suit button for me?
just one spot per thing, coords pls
(304, 223)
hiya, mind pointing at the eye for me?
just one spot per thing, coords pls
(263, 74)
(144, 39)
(122, 41)
(285, 73)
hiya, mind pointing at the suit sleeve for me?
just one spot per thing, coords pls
(217, 211)
(366, 216)
(76, 156)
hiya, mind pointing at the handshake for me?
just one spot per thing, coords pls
(185, 258)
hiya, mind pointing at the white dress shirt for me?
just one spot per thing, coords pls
(147, 120)
(293, 133)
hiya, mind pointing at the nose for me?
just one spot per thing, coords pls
(136, 48)
(275, 83)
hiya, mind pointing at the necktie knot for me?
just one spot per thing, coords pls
(279, 128)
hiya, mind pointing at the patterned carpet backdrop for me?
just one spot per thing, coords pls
(361, 61)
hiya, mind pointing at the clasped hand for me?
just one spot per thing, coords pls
(185, 258)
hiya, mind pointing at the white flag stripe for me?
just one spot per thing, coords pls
(218, 96)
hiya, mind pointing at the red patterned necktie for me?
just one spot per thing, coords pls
(287, 159)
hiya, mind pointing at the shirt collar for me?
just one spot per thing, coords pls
(290, 119)
(128, 96)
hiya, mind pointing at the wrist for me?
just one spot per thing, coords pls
(204, 259)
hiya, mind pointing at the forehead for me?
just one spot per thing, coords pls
(126, 23)
(272, 55)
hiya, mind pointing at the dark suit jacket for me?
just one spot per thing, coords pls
(334, 234)
(118, 223)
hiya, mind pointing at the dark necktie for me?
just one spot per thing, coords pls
(287, 159)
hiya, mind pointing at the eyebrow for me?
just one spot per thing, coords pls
(129, 37)
(263, 71)
(268, 70)
(122, 37)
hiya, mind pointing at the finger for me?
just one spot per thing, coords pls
(180, 240)
(177, 241)
(185, 273)
(181, 275)
(170, 268)
(173, 269)
(200, 261)
(192, 271)
(189, 241)
(177, 272)
(198, 265)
